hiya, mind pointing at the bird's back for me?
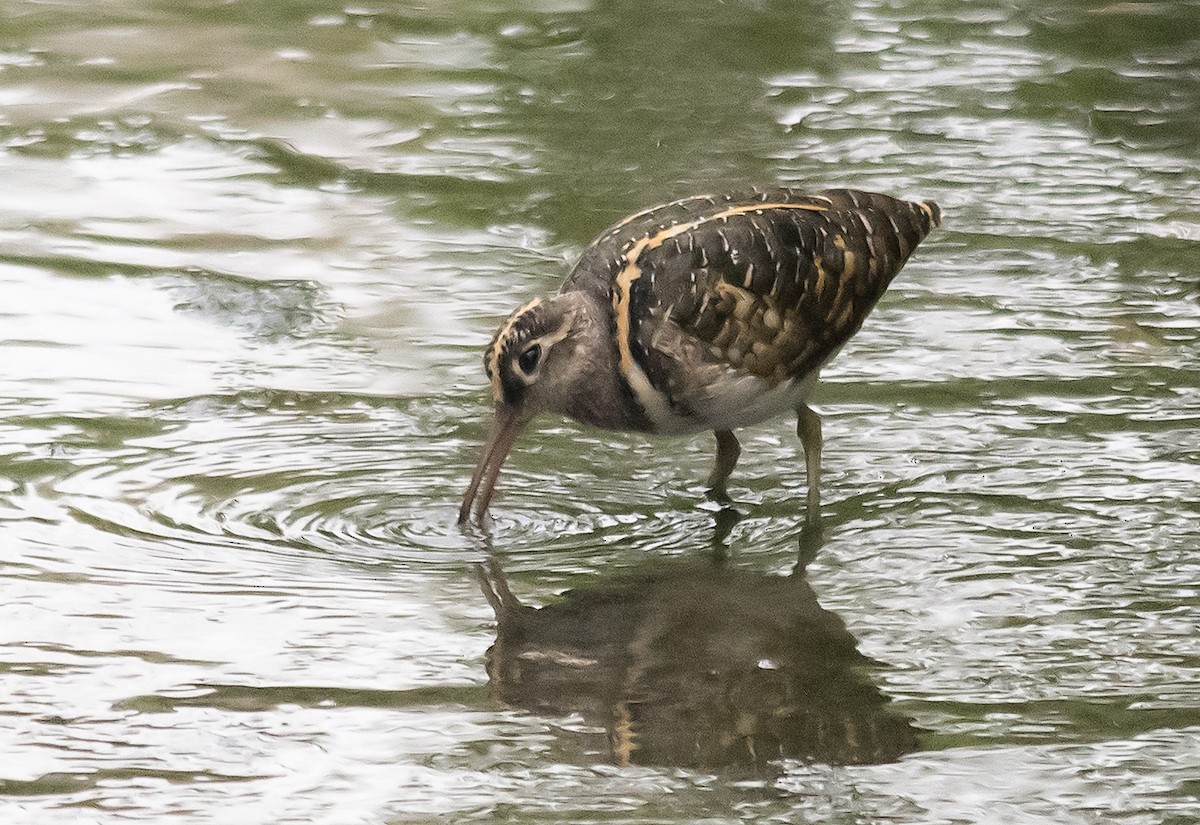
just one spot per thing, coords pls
(764, 284)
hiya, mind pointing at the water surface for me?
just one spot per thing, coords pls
(250, 254)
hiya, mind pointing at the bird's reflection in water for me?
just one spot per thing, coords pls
(696, 664)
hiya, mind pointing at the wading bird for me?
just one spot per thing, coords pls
(707, 313)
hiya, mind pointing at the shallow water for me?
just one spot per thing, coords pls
(250, 254)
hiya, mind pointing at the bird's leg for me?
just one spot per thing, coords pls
(728, 451)
(808, 427)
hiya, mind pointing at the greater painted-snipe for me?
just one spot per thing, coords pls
(707, 313)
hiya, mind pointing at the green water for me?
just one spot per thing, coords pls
(250, 253)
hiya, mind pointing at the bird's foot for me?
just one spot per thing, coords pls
(812, 539)
(718, 494)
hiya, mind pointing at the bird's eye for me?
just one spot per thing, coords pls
(528, 360)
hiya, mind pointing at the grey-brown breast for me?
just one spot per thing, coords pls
(772, 283)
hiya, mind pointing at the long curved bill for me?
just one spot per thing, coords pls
(509, 423)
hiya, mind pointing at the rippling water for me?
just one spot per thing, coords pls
(249, 255)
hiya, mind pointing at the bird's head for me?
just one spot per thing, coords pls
(532, 366)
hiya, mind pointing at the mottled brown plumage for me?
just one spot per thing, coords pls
(712, 312)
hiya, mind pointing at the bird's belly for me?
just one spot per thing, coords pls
(743, 402)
